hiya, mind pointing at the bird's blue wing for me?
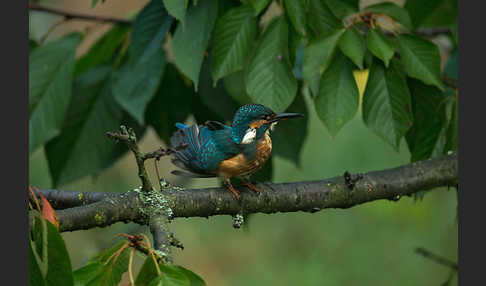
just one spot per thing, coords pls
(205, 149)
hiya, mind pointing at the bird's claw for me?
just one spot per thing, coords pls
(251, 187)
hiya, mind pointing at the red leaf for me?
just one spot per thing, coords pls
(47, 210)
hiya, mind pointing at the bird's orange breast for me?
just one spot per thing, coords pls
(239, 165)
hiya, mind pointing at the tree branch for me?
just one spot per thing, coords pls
(68, 199)
(431, 32)
(313, 196)
(73, 15)
(310, 196)
(122, 208)
(439, 259)
(428, 32)
(158, 226)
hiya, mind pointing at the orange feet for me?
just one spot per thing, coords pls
(251, 187)
(232, 189)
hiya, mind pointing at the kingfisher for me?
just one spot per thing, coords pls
(214, 149)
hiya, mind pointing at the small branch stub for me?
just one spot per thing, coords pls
(350, 180)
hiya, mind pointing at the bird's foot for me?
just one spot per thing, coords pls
(251, 187)
(232, 189)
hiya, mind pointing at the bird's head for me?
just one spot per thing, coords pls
(251, 121)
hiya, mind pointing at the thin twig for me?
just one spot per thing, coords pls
(157, 172)
(439, 259)
(73, 15)
(157, 154)
(433, 31)
(128, 137)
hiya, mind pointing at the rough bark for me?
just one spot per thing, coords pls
(310, 196)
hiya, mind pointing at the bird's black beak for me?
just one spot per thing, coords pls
(282, 116)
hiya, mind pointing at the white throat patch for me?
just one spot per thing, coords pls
(272, 126)
(250, 136)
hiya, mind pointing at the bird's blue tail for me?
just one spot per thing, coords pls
(180, 125)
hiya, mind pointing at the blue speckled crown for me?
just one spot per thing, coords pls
(244, 116)
(250, 112)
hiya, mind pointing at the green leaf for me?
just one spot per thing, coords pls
(87, 273)
(100, 271)
(270, 80)
(444, 15)
(149, 24)
(177, 8)
(288, 136)
(139, 78)
(353, 46)
(175, 275)
(421, 59)
(432, 12)
(338, 97)
(341, 9)
(386, 103)
(52, 260)
(395, 12)
(51, 70)
(234, 84)
(190, 43)
(171, 275)
(233, 36)
(59, 267)
(379, 45)
(147, 273)
(317, 57)
(171, 104)
(259, 5)
(158, 281)
(103, 51)
(137, 82)
(296, 11)
(83, 148)
(295, 44)
(320, 19)
(419, 10)
(429, 118)
(215, 97)
(353, 3)
(35, 275)
(194, 279)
